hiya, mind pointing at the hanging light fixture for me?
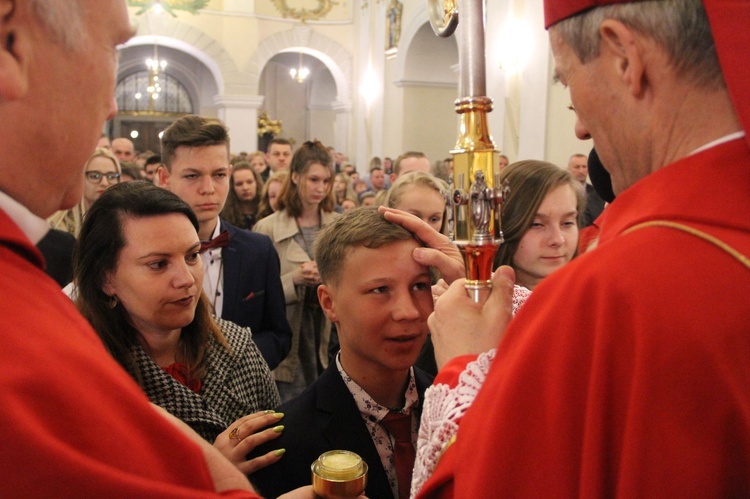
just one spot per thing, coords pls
(155, 68)
(299, 73)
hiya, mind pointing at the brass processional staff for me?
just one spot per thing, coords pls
(477, 197)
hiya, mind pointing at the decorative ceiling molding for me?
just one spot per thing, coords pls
(314, 14)
(192, 6)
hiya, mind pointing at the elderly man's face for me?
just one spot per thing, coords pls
(598, 95)
(79, 102)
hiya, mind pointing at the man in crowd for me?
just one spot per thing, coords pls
(104, 142)
(278, 157)
(377, 179)
(578, 166)
(502, 161)
(123, 149)
(646, 394)
(73, 423)
(151, 166)
(242, 280)
(411, 161)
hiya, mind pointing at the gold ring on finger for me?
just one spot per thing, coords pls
(235, 435)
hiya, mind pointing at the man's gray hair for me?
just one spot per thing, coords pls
(63, 20)
(680, 26)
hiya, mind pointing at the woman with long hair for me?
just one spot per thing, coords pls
(243, 199)
(540, 220)
(421, 194)
(342, 189)
(270, 195)
(304, 207)
(139, 275)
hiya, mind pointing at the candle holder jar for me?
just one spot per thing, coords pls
(339, 474)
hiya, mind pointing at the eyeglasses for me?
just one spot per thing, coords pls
(96, 177)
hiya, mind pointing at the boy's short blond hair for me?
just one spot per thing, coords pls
(357, 227)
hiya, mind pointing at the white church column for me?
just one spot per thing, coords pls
(240, 114)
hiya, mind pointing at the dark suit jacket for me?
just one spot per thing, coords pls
(324, 417)
(594, 206)
(57, 247)
(253, 296)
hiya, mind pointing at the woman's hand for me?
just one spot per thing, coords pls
(246, 434)
(440, 252)
(306, 274)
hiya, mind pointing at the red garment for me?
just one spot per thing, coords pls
(179, 371)
(73, 423)
(627, 372)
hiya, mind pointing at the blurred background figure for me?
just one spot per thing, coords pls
(269, 197)
(102, 170)
(243, 200)
(421, 194)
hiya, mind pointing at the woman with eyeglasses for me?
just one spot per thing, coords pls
(102, 170)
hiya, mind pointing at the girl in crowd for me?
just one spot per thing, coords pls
(102, 170)
(540, 220)
(540, 228)
(270, 195)
(242, 206)
(342, 189)
(139, 277)
(257, 160)
(421, 194)
(305, 205)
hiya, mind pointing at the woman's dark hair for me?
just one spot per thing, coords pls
(96, 254)
(528, 182)
(309, 153)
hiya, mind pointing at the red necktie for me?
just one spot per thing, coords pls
(399, 426)
(220, 241)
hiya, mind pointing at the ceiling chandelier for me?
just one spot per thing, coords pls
(155, 68)
(300, 72)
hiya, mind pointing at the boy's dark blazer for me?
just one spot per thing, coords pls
(253, 295)
(324, 417)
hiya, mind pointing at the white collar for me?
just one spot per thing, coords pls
(31, 225)
(720, 140)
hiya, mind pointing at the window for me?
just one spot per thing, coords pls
(133, 98)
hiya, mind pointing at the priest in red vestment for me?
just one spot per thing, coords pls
(627, 372)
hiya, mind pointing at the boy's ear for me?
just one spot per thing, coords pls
(14, 46)
(327, 299)
(163, 175)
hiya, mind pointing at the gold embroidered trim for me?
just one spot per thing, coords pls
(744, 260)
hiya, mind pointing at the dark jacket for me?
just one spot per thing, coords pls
(324, 417)
(253, 296)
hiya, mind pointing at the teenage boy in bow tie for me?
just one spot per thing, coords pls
(242, 279)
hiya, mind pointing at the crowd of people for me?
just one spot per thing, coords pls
(232, 317)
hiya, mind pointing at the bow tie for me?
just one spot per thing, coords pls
(220, 241)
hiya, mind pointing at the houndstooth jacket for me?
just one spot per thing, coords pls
(237, 382)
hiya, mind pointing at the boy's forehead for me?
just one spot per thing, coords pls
(391, 249)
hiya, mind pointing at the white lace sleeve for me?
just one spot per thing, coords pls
(443, 408)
